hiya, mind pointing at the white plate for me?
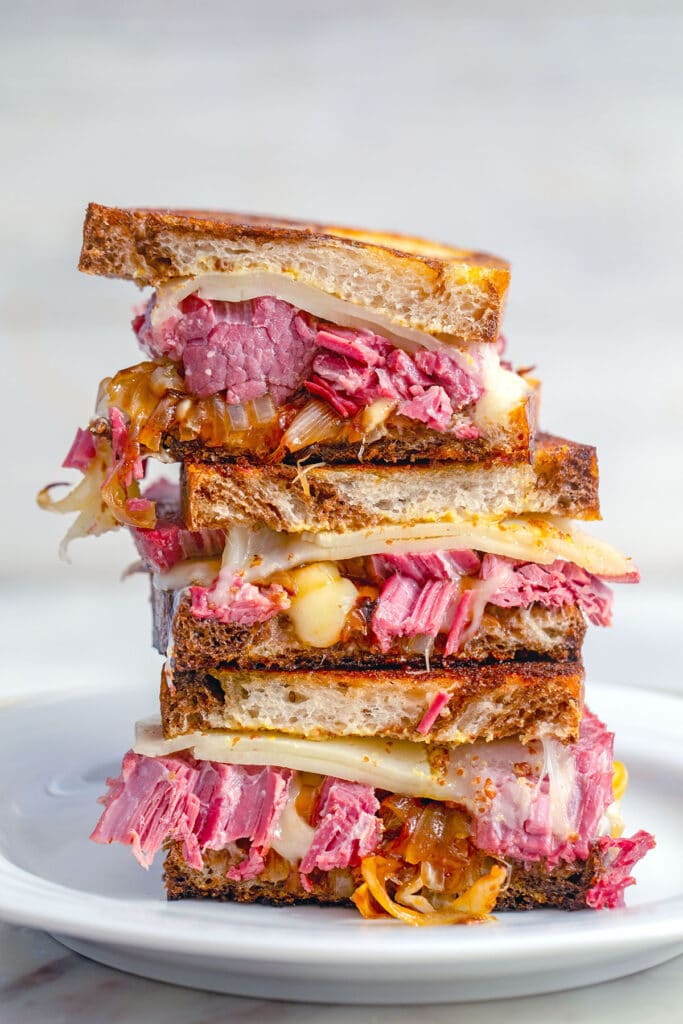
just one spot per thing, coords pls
(54, 755)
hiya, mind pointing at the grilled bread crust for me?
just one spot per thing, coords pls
(562, 480)
(453, 293)
(505, 634)
(530, 886)
(485, 702)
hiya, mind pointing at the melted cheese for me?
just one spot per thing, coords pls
(293, 835)
(399, 766)
(504, 390)
(533, 538)
(322, 600)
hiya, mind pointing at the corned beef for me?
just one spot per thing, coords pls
(82, 451)
(554, 817)
(169, 542)
(618, 856)
(575, 794)
(237, 602)
(346, 826)
(203, 805)
(359, 368)
(267, 346)
(416, 600)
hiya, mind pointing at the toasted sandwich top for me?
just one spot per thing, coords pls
(450, 293)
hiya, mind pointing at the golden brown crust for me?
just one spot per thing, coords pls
(505, 634)
(104, 225)
(530, 887)
(486, 702)
(562, 481)
(152, 246)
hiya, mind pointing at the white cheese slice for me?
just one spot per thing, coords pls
(399, 766)
(531, 538)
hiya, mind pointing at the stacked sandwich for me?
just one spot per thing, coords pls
(368, 585)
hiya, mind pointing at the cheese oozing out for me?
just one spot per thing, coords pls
(504, 389)
(322, 600)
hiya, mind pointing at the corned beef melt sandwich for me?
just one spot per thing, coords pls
(370, 581)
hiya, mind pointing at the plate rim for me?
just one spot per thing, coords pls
(29, 899)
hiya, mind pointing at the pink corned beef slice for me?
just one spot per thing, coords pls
(554, 586)
(246, 349)
(435, 565)
(237, 602)
(267, 346)
(151, 801)
(346, 826)
(433, 712)
(81, 453)
(588, 774)
(618, 856)
(169, 542)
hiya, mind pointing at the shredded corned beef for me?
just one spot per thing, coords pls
(554, 586)
(617, 857)
(232, 601)
(434, 565)
(82, 451)
(202, 805)
(206, 805)
(346, 826)
(267, 346)
(152, 800)
(356, 368)
(581, 773)
(416, 600)
(433, 712)
(170, 542)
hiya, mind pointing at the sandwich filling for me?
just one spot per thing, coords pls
(337, 587)
(464, 816)
(266, 380)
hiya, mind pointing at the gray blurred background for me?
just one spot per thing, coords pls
(549, 134)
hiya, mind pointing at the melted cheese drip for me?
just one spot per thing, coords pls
(504, 390)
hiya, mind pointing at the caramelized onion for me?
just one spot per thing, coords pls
(315, 423)
(475, 904)
(94, 516)
(263, 409)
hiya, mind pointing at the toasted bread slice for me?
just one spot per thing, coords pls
(529, 886)
(505, 634)
(410, 282)
(485, 702)
(563, 480)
